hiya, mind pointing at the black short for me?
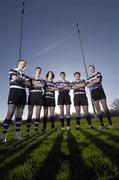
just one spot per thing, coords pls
(49, 102)
(80, 100)
(17, 96)
(98, 94)
(64, 99)
(35, 98)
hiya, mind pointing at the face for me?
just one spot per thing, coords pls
(21, 65)
(50, 75)
(91, 69)
(77, 77)
(62, 76)
(38, 72)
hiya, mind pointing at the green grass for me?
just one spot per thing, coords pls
(85, 155)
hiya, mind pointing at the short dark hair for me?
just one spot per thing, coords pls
(53, 75)
(62, 73)
(91, 66)
(38, 67)
(77, 73)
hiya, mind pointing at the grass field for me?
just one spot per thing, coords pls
(84, 155)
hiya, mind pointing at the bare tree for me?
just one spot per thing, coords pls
(115, 106)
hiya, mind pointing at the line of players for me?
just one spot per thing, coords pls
(42, 93)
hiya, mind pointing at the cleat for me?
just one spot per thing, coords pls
(91, 127)
(3, 138)
(110, 127)
(63, 128)
(18, 136)
(54, 129)
(43, 131)
(77, 129)
(36, 133)
(68, 128)
(101, 127)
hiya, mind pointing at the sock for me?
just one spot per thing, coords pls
(100, 116)
(52, 119)
(108, 114)
(18, 124)
(36, 124)
(68, 121)
(44, 123)
(62, 122)
(29, 125)
(88, 118)
(6, 124)
(78, 120)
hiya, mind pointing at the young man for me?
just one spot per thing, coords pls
(16, 98)
(35, 98)
(80, 99)
(94, 82)
(49, 100)
(64, 99)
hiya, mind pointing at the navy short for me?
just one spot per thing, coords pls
(80, 100)
(49, 102)
(97, 94)
(35, 98)
(17, 96)
(64, 99)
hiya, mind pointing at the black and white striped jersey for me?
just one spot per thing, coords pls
(37, 81)
(47, 92)
(94, 77)
(63, 84)
(16, 83)
(79, 90)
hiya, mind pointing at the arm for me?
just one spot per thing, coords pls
(91, 83)
(37, 85)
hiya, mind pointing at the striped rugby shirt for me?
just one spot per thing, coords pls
(37, 89)
(63, 83)
(79, 90)
(15, 83)
(47, 92)
(94, 77)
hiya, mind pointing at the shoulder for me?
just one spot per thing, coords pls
(99, 74)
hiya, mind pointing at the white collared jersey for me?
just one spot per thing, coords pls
(94, 77)
(37, 89)
(63, 83)
(15, 83)
(47, 92)
(79, 90)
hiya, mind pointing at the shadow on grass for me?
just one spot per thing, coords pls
(108, 150)
(22, 155)
(78, 168)
(110, 135)
(50, 167)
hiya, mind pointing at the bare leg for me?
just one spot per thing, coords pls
(18, 120)
(6, 123)
(78, 109)
(29, 119)
(87, 115)
(52, 118)
(100, 115)
(68, 116)
(105, 107)
(62, 115)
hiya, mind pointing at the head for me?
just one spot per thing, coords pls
(38, 71)
(91, 69)
(21, 64)
(50, 75)
(77, 75)
(62, 75)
